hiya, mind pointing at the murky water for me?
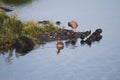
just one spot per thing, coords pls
(101, 61)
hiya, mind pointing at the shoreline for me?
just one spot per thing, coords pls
(23, 36)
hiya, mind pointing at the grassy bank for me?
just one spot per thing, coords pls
(11, 28)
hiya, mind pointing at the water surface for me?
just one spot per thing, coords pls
(101, 61)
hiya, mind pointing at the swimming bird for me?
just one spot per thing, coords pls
(58, 23)
(59, 46)
(73, 25)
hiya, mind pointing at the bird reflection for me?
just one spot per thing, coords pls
(59, 46)
(9, 57)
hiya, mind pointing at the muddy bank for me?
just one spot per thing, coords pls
(23, 36)
(24, 44)
(62, 34)
(65, 34)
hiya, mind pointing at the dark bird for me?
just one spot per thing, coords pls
(5, 9)
(98, 31)
(59, 46)
(58, 23)
(73, 25)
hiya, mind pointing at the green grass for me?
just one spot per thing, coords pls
(16, 2)
(11, 28)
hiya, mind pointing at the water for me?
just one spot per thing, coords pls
(101, 61)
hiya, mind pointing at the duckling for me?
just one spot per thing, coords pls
(58, 23)
(98, 31)
(87, 33)
(73, 25)
(82, 42)
(88, 41)
(82, 36)
(59, 46)
(98, 38)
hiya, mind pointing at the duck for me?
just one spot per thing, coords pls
(59, 46)
(73, 25)
(98, 31)
(5, 9)
(58, 23)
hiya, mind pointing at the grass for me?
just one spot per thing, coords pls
(12, 28)
(16, 2)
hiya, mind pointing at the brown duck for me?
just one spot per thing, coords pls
(73, 25)
(59, 46)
